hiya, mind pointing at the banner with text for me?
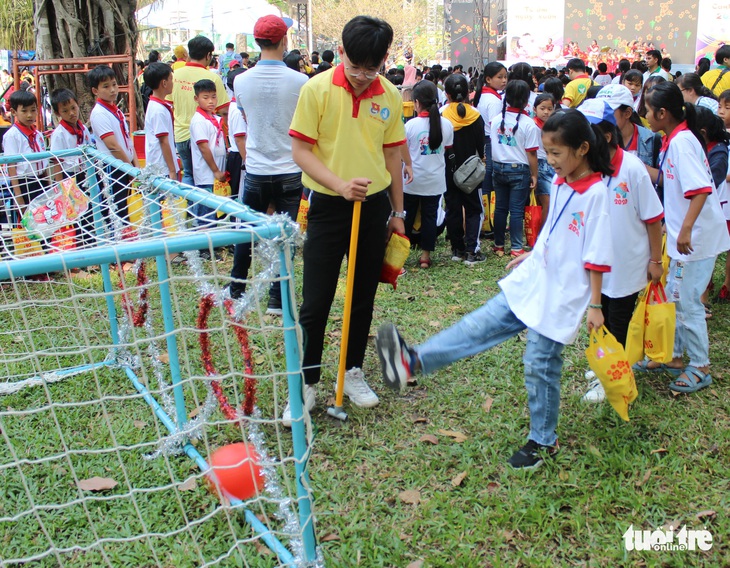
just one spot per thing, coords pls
(535, 31)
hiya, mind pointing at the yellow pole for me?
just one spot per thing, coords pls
(350, 282)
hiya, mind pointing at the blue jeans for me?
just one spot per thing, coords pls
(203, 216)
(545, 173)
(488, 326)
(511, 188)
(685, 288)
(183, 150)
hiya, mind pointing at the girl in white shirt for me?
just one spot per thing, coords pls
(547, 292)
(427, 135)
(696, 230)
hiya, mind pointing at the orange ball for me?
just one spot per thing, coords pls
(237, 468)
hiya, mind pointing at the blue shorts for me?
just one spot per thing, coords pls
(545, 174)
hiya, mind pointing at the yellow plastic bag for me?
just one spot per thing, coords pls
(303, 213)
(221, 189)
(25, 246)
(665, 260)
(174, 211)
(488, 212)
(135, 206)
(396, 254)
(492, 205)
(607, 359)
(660, 324)
(635, 333)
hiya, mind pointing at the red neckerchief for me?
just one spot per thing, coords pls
(31, 134)
(166, 104)
(119, 115)
(667, 139)
(424, 114)
(540, 123)
(486, 90)
(517, 110)
(710, 146)
(214, 121)
(77, 130)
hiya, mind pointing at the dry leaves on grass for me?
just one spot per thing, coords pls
(330, 537)
(459, 479)
(706, 515)
(458, 437)
(189, 484)
(410, 496)
(430, 438)
(97, 484)
(644, 479)
(139, 424)
(415, 564)
(163, 357)
(487, 406)
(659, 451)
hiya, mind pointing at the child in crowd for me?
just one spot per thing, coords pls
(208, 148)
(547, 292)
(514, 162)
(111, 132)
(723, 111)
(463, 210)
(554, 86)
(544, 108)
(580, 82)
(237, 129)
(696, 93)
(696, 232)
(488, 101)
(633, 80)
(635, 213)
(159, 125)
(649, 82)
(428, 136)
(523, 72)
(27, 179)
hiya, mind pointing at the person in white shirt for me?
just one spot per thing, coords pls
(696, 232)
(696, 93)
(427, 135)
(635, 214)
(654, 63)
(547, 293)
(237, 129)
(159, 124)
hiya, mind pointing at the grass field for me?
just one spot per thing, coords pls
(421, 480)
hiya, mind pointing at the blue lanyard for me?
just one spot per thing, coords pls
(661, 168)
(555, 222)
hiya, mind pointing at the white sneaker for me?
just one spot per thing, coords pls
(595, 392)
(358, 390)
(310, 401)
(589, 375)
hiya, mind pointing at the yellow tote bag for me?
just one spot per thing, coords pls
(23, 245)
(135, 205)
(635, 333)
(396, 254)
(665, 260)
(221, 189)
(303, 213)
(607, 359)
(660, 325)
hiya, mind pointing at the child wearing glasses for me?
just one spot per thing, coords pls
(346, 134)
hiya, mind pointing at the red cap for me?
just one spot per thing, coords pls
(270, 27)
(233, 64)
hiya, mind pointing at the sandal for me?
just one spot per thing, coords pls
(708, 311)
(643, 367)
(425, 263)
(694, 380)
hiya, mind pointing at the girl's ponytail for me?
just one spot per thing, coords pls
(458, 89)
(478, 89)
(598, 156)
(690, 115)
(504, 112)
(426, 94)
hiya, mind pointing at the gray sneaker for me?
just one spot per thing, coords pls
(358, 390)
(310, 401)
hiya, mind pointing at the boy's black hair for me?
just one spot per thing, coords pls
(633, 76)
(666, 64)
(232, 74)
(98, 74)
(724, 96)
(154, 56)
(722, 54)
(155, 73)
(554, 86)
(199, 47)
(576, 64)
(328, 55)
(244, 55)
(602, 67)
(624, 65)
(204, 86)
(22, 99)
(656, 54)
(60, 96)
(366, 40)
(229, 45)
(324, 66)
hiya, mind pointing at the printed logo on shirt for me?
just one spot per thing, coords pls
(582, 89)
(423, 144)
(622, 193)
(385, 113)
(506, 139)
(668, 173)
(374, 108)
(577, 222)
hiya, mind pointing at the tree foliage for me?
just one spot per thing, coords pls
(16, 24)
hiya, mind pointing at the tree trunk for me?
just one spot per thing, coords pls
(82, 28)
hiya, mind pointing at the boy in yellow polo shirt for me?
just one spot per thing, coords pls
(346, 134)
(580, 82)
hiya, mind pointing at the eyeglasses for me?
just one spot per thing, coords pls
(355, 73)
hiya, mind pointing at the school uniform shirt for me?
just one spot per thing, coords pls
(66, 137)
(686, 172)
(490, 104)
(577, 89)
(20, 139)
(550, 291)
(159, 123)
(429, 166)
(237, 126)
(510, 147)
(602, 79)
(633, 203)
(183, 93)
(349, 132)
(707, 102)
(107, 120)
(541, 154)
(206, 128)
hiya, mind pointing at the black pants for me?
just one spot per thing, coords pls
(328, 241)
(429, 212)
(285, 192)
(617, 312)
(463, 217)
(119, 189)
(234, 167)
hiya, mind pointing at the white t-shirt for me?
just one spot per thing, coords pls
(602, 80)
(17, 142)
(158, 122)
(237, 126)
(429, 166)
(541, 154)
(707, 102)
(66, 137)
(107, 120)
(268, 95)
(550, 291)
(633, 203)
(509, 148)
(660, 72)
(686, 173)
(490, 104)
(203, 130)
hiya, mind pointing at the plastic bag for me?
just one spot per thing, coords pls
(174, 211)
(607, 359)
(635, 334)
(488, 212)
(63, 239)
(659, 325)
(46, 213)
(135, 205)
(23, 245)
(665, 260)
(396, 254)
(303, 213)
(78, 201)
(222, 189)
(533, 216)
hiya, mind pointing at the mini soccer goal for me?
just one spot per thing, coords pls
(140, 404)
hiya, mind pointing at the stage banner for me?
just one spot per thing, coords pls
(535, 31)
(713, 27)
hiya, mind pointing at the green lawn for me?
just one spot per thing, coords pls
(390, 488)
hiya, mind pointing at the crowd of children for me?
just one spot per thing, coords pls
(612, 164)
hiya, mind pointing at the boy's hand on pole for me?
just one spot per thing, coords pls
(355, 190)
